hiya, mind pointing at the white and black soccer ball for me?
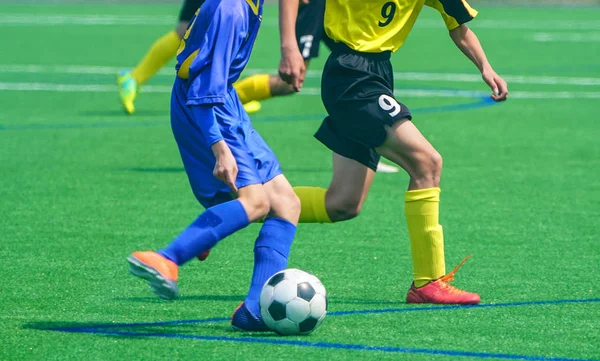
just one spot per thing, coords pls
(293, 302)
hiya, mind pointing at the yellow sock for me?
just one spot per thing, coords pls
(422, 208)
(255, 87)
(313, 204)
(163, 50)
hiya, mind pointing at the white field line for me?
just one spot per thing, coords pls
(84, 19)
(171, 19)
(592, 37)
(408, 93)
(408, 76)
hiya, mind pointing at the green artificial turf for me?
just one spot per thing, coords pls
(82, 185)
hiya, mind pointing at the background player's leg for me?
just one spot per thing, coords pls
(259, 87)
(407, 147)
(343, 199)
(163, 50)
(348, 189)
(159, 54)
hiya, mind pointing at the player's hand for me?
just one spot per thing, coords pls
(226, 169)
(304, 2)
(496, 83)
(292, 68)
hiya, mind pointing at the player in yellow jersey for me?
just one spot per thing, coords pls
(163, 50)
(366, 121)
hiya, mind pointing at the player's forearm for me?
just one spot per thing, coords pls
(467, 42)
(288, 14)
(204, 117)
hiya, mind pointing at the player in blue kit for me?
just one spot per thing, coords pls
(223, 154)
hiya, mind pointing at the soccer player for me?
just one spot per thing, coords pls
(365, 121)
(223, 154)
(163, 50)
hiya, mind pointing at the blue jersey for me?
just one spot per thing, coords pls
(205, 107)
(216, 48)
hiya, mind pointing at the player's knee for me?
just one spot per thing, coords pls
(287, 206)
(429, 169)
(292, 204)
(343, 210)
(261, 206)
(435, 163)
(256, 204)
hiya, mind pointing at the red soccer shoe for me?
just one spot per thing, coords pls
(441, 291)
(204, 255)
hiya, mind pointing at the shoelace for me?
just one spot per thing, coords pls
(445, 281)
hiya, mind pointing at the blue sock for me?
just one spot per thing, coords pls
(271, 252)
(206, 231)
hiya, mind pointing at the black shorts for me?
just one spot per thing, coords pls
(309, 28)
(358, 93)
(189, 9)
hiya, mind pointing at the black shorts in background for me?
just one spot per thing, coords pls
(189, 9)
(309, 28)
(358, 93)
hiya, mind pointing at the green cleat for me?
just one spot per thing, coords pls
(252, 106)
(128, 90)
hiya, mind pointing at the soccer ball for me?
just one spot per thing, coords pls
(293, 302)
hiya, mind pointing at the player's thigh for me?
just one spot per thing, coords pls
(407, 147)
(283, 201)
(349, 185)
(357, 92)
(197, 156)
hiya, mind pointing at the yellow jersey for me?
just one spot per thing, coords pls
(374, 26)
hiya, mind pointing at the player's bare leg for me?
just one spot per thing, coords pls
(348, 189)
(407, 147)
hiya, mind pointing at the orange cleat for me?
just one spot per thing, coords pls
(441, 291)
(160, 272)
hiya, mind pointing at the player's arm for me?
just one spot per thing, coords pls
(456, 13)
(291, 67)
(209, 76)
(469, 44)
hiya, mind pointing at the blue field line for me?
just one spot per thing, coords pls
(479, 103)
(338, 313)
(462, 307)
(326, 345)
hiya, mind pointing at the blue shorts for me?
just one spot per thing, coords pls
(256, 162)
